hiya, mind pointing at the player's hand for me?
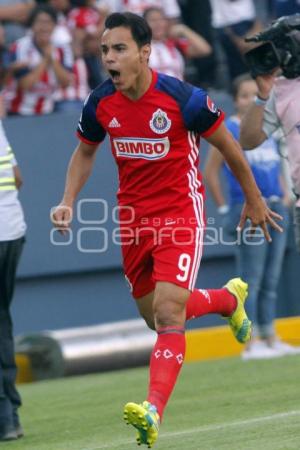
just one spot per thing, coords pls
(260, 215)
(61, 217)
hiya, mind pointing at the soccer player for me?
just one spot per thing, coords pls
(154, 122)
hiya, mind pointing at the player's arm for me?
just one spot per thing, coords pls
(255, 207)
(212, 175)
(79, 170)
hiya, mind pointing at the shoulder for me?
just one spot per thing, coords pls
(179, 90)
(22, 49)
(89, 127)
(91, 103)
(190, 99)
(199, 112)
(23, 43)
(104, 89)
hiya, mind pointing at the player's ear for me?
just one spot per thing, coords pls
(145, 52)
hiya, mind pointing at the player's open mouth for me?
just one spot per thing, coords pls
(115, 74)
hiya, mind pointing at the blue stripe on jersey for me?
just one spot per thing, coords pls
(192, 102)
(88, 126)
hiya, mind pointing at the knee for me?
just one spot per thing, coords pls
(165, 315)
(169, 309)
(150, 322)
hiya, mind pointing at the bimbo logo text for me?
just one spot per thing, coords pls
(141, 148)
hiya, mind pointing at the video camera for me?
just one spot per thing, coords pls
(281, 48)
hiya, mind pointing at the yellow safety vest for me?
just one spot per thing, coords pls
(7, 178)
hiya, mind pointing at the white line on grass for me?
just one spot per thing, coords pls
(238, 423)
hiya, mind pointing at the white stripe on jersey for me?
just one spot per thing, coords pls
(197, 199)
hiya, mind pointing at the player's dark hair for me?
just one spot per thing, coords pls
(140, 30)
(42, 8)
(237, 82)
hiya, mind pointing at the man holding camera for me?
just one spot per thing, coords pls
(277, 105)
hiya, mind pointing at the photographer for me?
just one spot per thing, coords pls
(277, 104)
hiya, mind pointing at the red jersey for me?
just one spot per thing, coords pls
(155, 142)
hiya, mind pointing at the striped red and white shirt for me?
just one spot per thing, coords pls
(40, 98)
(79, 87)
(167, 57)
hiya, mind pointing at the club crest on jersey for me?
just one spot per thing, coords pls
(210, 104)
(160, 122)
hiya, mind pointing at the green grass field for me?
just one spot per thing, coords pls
(224, 404)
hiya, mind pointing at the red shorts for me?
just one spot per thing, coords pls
(173, 259)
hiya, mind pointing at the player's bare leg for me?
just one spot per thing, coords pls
(168, 315)
(145, 307)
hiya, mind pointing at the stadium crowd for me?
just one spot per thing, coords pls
(49, 49)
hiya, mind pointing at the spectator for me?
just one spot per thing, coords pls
(39, 68)
(86, 24)
(71, 98)
(12, 230)
(170, 43)
(197, 15)
(259, 263)
(170, 7)
(14, 15)
(61, 35)
(233, 21)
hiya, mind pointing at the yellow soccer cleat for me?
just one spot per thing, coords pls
(239, 322)
(145, 419)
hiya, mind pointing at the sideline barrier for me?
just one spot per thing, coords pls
(119, 345)
(77, 351)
